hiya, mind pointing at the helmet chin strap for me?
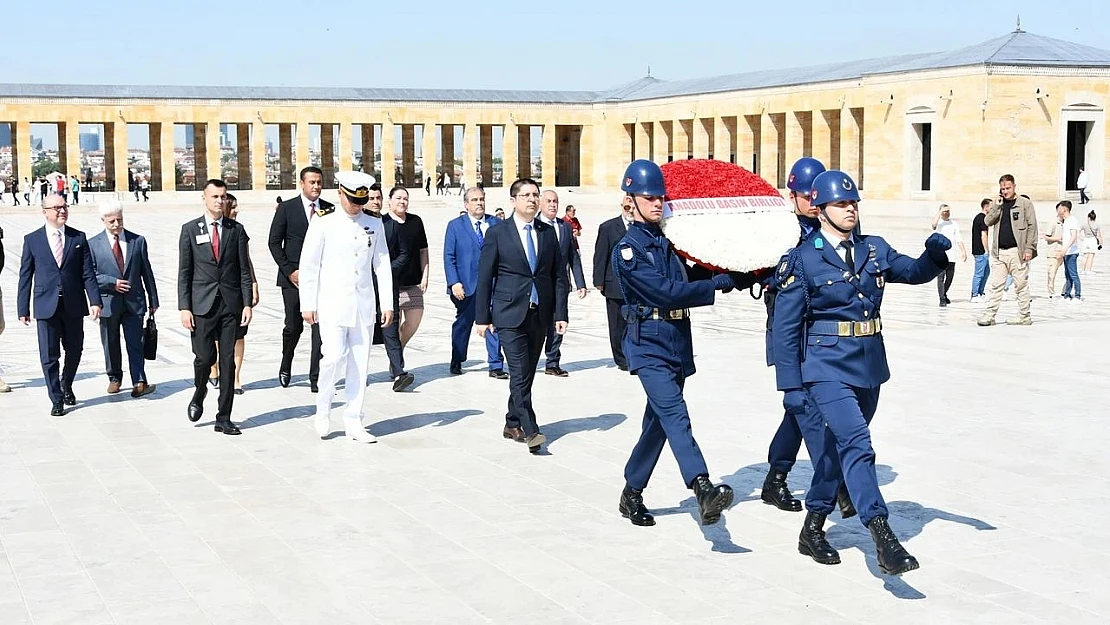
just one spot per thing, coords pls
(636, 207)
(829, 221)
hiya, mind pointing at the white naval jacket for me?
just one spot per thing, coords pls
(335, 269)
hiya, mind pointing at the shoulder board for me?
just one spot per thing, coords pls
(366, 211)
(324, 210)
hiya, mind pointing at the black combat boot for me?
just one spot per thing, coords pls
(847, 510)
(892, 556)
(632, 507)
(812, 543)
(776, 493)
(711, 499)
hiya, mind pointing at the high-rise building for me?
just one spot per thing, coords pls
(90, 141)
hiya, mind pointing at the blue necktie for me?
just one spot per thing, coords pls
(478, 231)
(531, 249)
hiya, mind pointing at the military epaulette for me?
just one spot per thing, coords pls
(367, 211)
(324, 210)
(784, 276)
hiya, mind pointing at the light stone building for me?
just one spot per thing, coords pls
(922, 126)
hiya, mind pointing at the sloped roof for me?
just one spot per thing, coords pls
(1016, 48)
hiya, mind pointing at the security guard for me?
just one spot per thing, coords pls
(342, 252)
(658, 346)
(829, 353)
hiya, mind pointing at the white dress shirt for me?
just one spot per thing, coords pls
(524, 242)
(307, 207)
(112, 242)
(476, 223)
(554, 224)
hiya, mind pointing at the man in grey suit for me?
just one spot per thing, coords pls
(125, 277)
(549, 208)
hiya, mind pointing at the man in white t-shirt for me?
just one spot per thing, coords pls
(1081, 184)
(944, 224)
(1069, 235)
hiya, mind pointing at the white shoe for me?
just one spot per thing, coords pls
(4, 386)
(356, 431)
(322, 421)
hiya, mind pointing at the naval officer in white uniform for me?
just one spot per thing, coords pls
(342, 252)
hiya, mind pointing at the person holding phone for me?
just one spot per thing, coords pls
(1013, 239)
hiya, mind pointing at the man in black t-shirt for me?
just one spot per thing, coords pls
(979, 251)
(1013, 244)
(408, 249)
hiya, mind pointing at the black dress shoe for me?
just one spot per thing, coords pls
(313, 386)
(844, 502)
(196, 407)
(776, 493)
(57, 410)
(215, 382)
(892, 556)
(498, 374)
(812, 543)
(632, 507)
(623, 367)
(456, 368)
(556, 371)
(283, 379)
(238, 391)
(712, 500)
(227, 427)
(68, 397)
(515, 434)
(403, 381)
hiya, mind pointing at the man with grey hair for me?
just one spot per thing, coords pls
(126, 282)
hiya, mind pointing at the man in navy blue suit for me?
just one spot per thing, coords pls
(124, 275)
(522, 289)
(572, 261)
(57, 261)
(465, 238)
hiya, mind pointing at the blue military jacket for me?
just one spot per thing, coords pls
(808, 226)
(651, 277)
(817, 290)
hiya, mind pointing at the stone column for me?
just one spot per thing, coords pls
(389, 146)
(661, 146)
(212, 141)
(682, 129)
(303, 158)
(118, 132)
(71, 162)
(285, 157)
(346, 147)
(447, 152)
(470, 155)
(749, 142)
(368, 152)
(327, 154)
(524, 151)
(851, 135)
(722, 140)
(795, 137)
(166, 155)
(769, 150)
(408, 155)
(244, 156)
(702, 129)
(509, 154)
(485, 148)
(21, 151)
(258, 155)
(548, 162)
(200, 155)
(643, 140)
(822, 137)
(588, 145)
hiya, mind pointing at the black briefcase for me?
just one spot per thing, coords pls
(150, 338)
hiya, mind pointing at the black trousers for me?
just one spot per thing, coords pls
(616, 330)
(391, 337)
(944, 280)
(60, 331)
(220, 325)
(522, 346)
(291, 334)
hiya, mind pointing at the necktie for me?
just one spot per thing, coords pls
(58, 247)
(555, 224)
(216, 240)
(848, 259)
(478, 231)
(311, 210)
(531, 249)
(118, 253)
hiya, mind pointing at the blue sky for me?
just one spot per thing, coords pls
(587, 45)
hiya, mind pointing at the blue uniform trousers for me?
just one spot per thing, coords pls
(847, 411)
(132, 326)
(666, 420)
(783, 452)
(460, 334)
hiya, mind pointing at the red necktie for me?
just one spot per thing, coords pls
(216, 240)
(118, 253)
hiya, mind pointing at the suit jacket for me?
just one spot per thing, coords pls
(609, 233)
(287, 232)
(569, 253)
(136, 270)
(341, 258)
(461, 252)
(505, 279)
(76, 274)
(200, 277)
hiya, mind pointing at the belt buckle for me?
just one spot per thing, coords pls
(844, 328)
(864, 328)
(674, 314)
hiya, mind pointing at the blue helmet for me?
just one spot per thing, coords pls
(643, 177)
(803, 173)
(833, 186)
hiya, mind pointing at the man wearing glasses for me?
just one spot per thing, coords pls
(57, 260)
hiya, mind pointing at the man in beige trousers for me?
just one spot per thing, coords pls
(1013, 238)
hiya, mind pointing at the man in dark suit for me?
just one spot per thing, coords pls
(609, 233)
(287, 232)
(522, 289)
(462, 246)
(122, 271)
(214, 291)
(56, 259)
(572, 260)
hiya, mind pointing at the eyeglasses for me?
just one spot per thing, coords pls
(63, 207)
(527, 195)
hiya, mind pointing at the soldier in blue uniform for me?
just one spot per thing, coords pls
(659, 349)
(829, 354)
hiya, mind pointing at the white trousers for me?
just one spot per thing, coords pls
(347, 349)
